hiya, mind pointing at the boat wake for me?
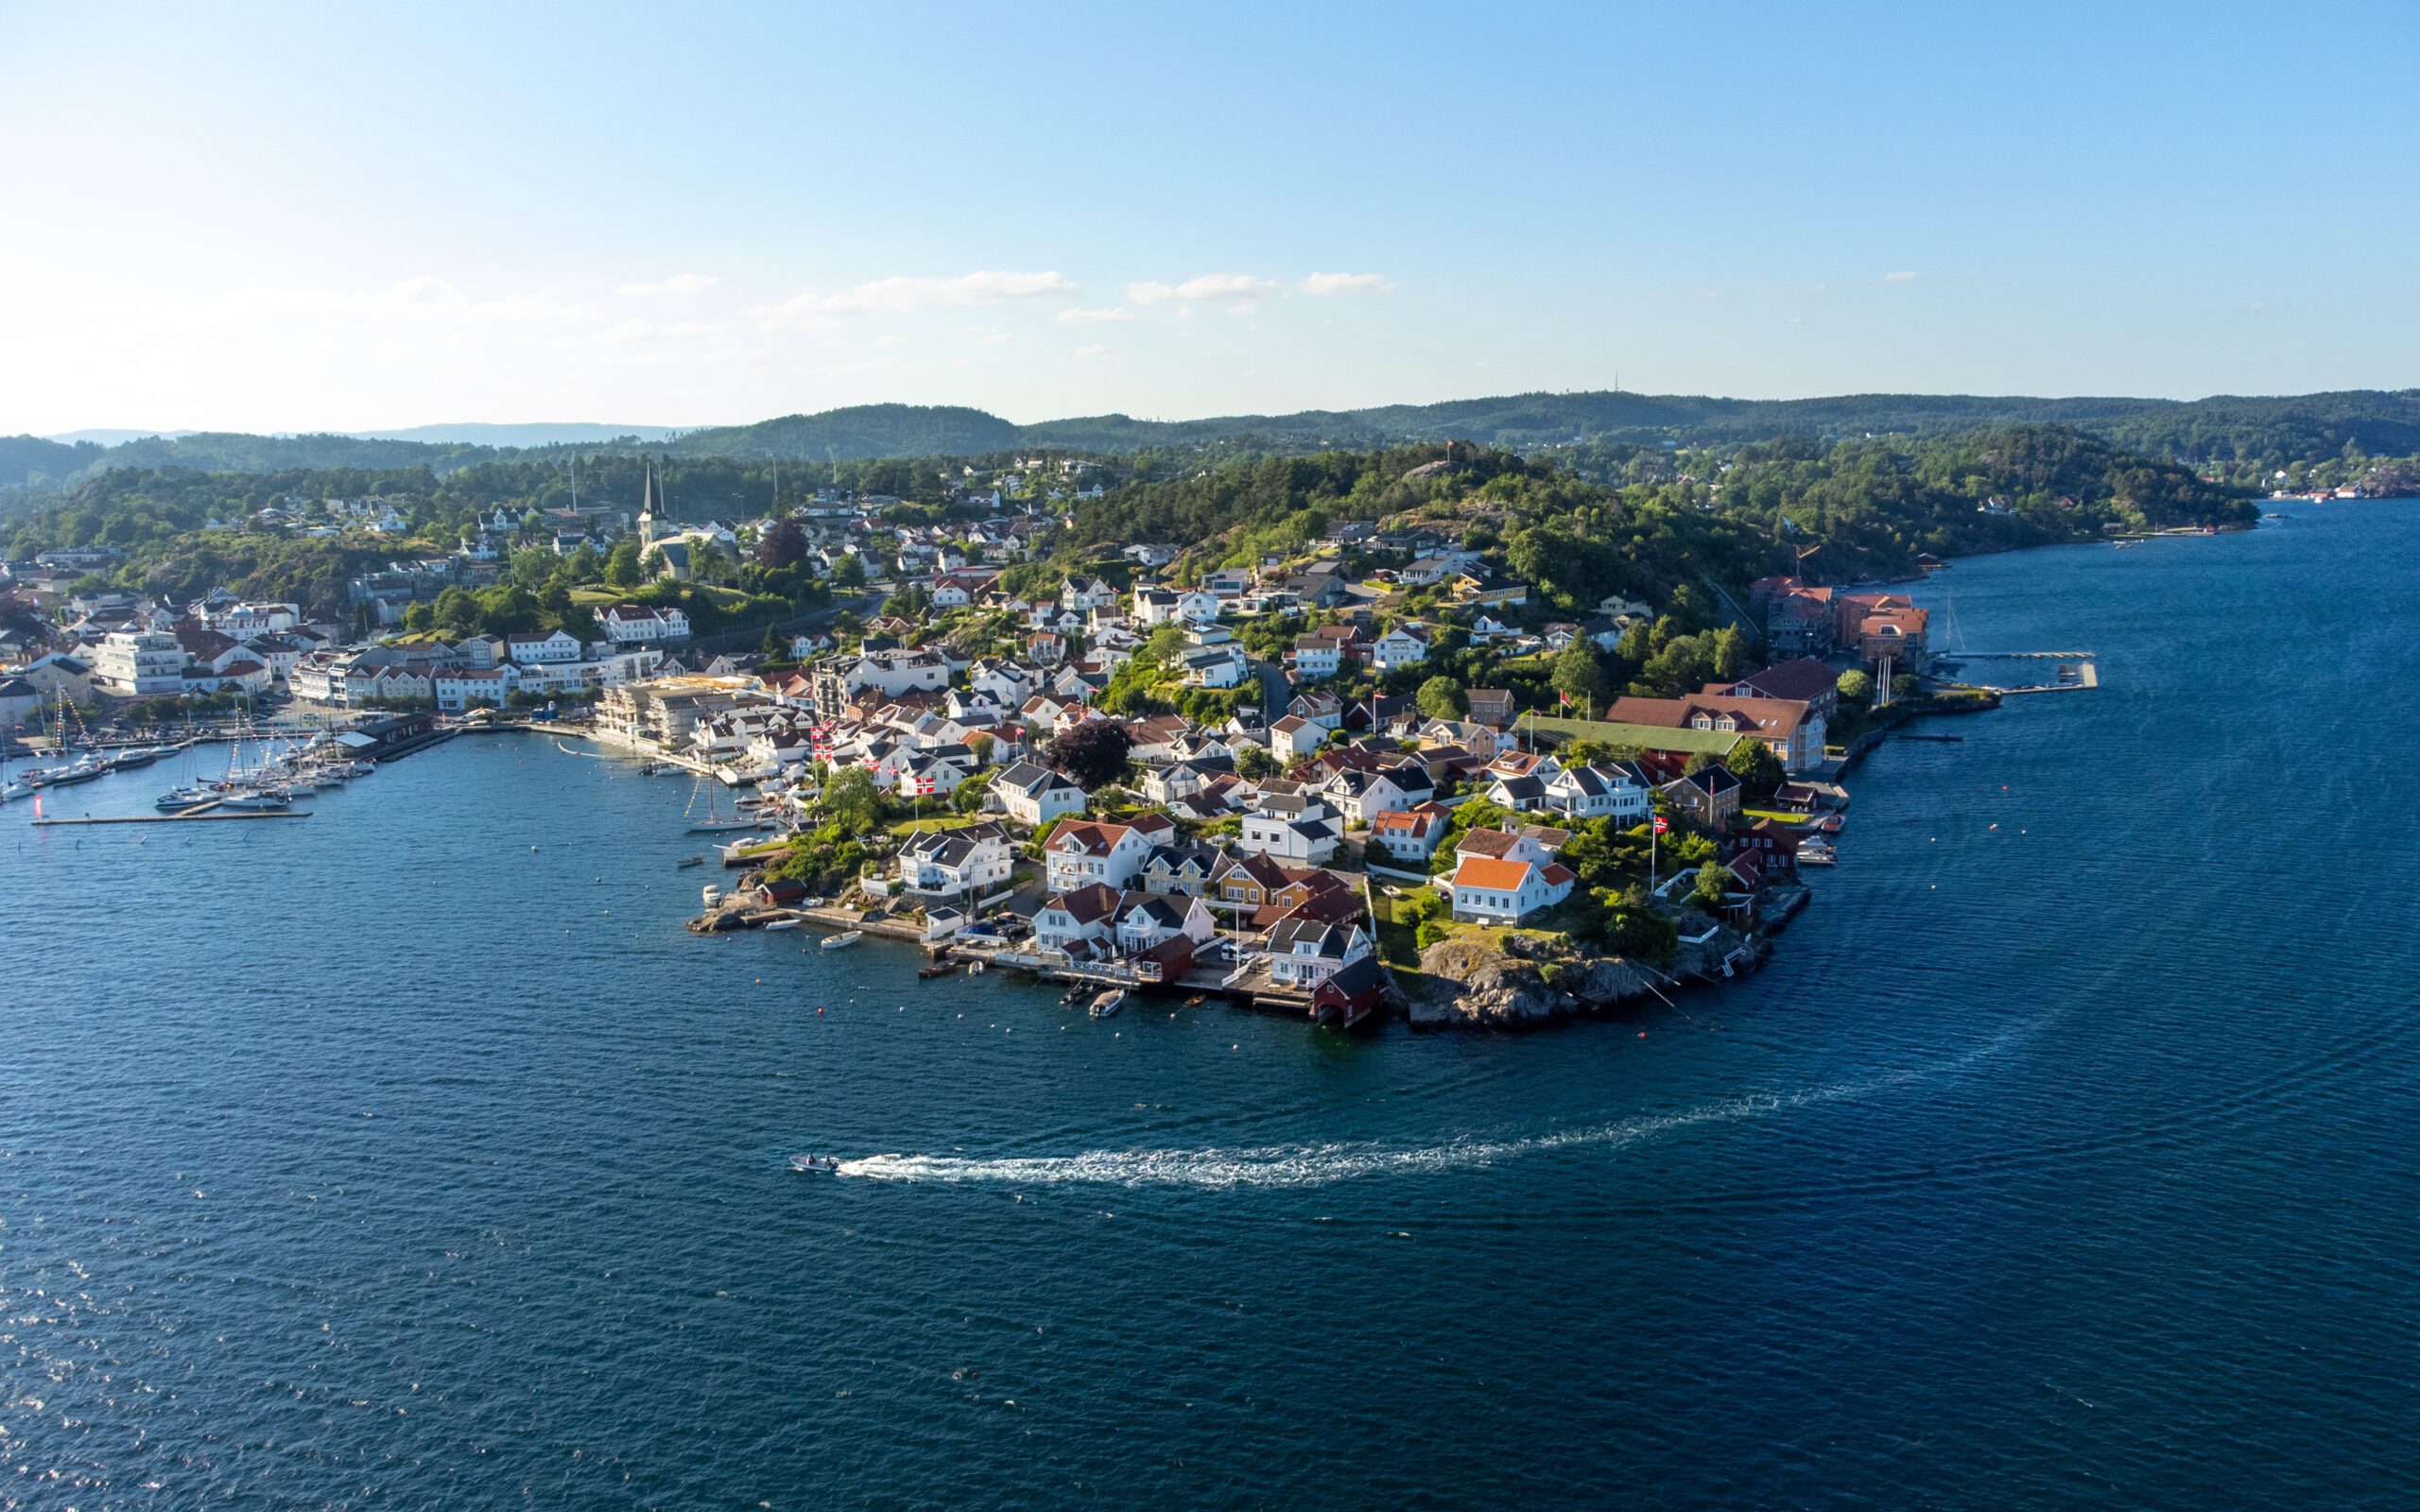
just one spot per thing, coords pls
(1315, 1165)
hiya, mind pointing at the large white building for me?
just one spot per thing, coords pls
(140, 663)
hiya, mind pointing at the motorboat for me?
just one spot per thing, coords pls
(126, 761)
(816, 1165)
(783, 923)
(686, 862)
(178, 799)
(258, 798)
(834, 942)
(1108, 1003)
(83, 769)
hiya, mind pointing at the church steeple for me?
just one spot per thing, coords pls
(649, 499)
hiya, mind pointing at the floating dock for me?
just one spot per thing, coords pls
(190, 817)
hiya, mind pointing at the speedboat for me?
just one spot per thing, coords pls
(833, 942)
(258, 798)
(126, 761)
(1108, 1003)
(16, 790)
(83, 769)
(817, 1164)
(783, 923)
(178, 799)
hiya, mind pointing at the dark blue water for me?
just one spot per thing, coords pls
(379, 1159)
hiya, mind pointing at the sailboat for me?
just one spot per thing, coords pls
(714, 823)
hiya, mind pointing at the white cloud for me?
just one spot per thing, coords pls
(1094, 353)
(1898, 278)
(1328, 283)
(1094, 317)
(1243, 307)
(1208, 287)
(897, 296)
(677, 284)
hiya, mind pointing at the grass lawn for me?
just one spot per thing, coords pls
(1777, 816)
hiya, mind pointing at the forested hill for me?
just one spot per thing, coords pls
(1867, 507)
(2240, 438)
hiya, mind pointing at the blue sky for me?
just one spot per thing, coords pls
(270, 217)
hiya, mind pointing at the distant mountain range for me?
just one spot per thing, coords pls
(2311, 426)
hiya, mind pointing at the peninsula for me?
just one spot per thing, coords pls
(1438, 730)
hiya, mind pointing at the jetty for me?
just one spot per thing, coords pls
(199, 816)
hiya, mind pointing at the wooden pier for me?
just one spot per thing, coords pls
(190, 816)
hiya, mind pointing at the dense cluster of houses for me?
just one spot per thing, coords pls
(1187, 856)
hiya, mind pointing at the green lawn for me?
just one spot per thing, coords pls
(1777, 816)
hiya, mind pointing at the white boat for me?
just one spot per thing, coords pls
(783, 923)
(816, 1165)
(727, 826)
(178, 799)
(1108, 1003)
(711, 893)
(16, 790)
(83, 769)
(833, 942)
(257, 799)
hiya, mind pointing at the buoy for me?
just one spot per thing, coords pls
(819, 1013)
(1642, 1034)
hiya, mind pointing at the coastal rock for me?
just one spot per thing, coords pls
(1477, 986)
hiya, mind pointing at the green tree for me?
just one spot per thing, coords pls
(1855, 687)
(851, 802)
(1577, 677)
(1729, 652)
(849, 572)
(1758, 769)
(1441, 697)
(1714, 880)
(622, 564)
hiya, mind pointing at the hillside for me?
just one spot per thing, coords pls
(2243, 438)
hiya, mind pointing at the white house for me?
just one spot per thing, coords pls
(1146, 918)
(1316, 657)
(975, 860)
(1362, 797)
(1032, 794)
(1405, 645)
(1082, 851)
(1410, 835)
(1294, 737)
(628, 623)
(1612, 791)
(1486, 890)
(1303, 953)
(555, 646)
(899, 672)
(461, 688)
(1077, 919)
(1289, 827)
(1215, 666)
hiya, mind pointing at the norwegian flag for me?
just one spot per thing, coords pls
(924, 787)
(1564, 698)
(1663, 825)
